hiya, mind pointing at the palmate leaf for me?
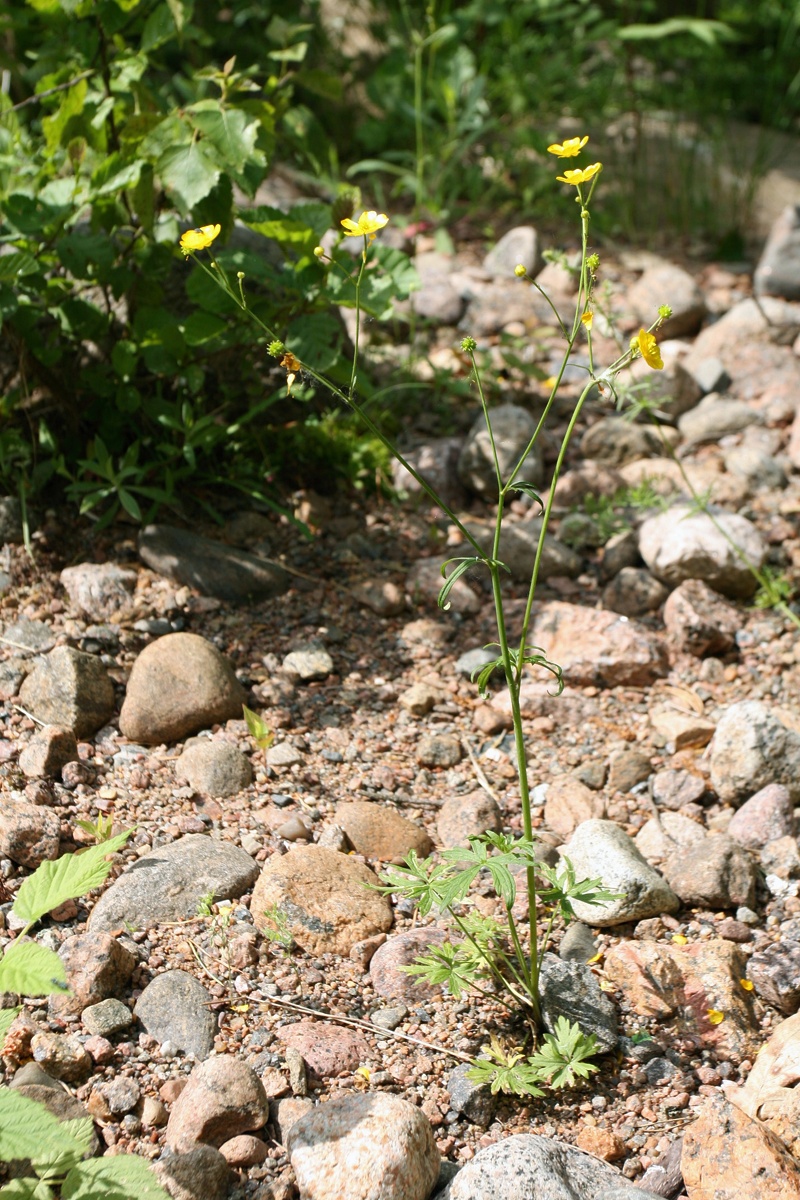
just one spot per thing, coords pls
(563, 1054)
(118, 1178)
(31, 970)
(66, 878)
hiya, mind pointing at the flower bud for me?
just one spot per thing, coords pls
(520, 270)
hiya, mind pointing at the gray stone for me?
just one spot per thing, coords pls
(309, 663)
(99, 589)
(518, 547)
(538, 1168)
(371, 1146)
(437, 300)
(620, 551)
(389, 1017)
(179, 684)
(601, 850)
(751, 749)
(462, 817)
(63, 1106)
(424, 582)
(778, 270)
(473, 660)
(578, 943)
(29, 833)
(200, 1174)
(666, 834)
(710, 374)
(473, 1101)
(69, 688)
(715, 873)
(211, 567)
(438, 750)
(767, 815)
(634, 592)
(436, 461)
(176, 1008)
(167, 884)
(28, 637)
(781, 857)
(761, 470)
(10, 520)
(513, 427)
(520, 246)
(121, 1095)
(107, 1017)
(496, 303)
(214, 767)
(667, 283)
(569, 989)
(699, 621)
(615, 441)
(680, 544)
(714, 417)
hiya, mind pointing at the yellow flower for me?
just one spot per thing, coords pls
(747, 984)
(715, 1017)
(568, 148)
(292, 366)
(586, 319)
(199, 239)
(367, 224)
(648, 348)
(520, 270)
(679, 939)
(580, 175)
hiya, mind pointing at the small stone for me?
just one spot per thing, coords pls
(309, 663)
(386, 969)
(715, 417)
(674, 788)
(29, 833)
(628, 768)
(569, 989)
(48, 751)
(634, 592)
(600, 849)
(98, 967)
(298, 1076)
(767, 815)
(436, 460)
(424, 582)
(214, 767)
(382, 596)
(569, 803)
(598, 648)
(439, 750)
(284, 755)
(201, 1174)
(578, 943)
(419, 699)
(715, 873)
(99, 589)
(518, 247)
(380, 832)
(679, 544)
(106, 1018)
(781, 857)
(775, 972)
(154, 1112)
(462, 817)
(750, 749)
(390, 1017)
(681, 730)
(778, 269)
(294, 830)
(699, 621)
(685, 299)
(245, 1150)
(602, 1143)
(71, 689)
(473, 1101)
(61, 1056)
(512, 429)
(328, 1050)
(121, 1095)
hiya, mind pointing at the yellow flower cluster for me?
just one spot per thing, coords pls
(568, 149)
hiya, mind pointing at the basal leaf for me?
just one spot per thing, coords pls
(26, 1125)
(31, 970)
(66, 878)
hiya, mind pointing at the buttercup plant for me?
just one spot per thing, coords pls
(489, 954)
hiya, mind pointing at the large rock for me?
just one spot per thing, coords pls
(699, 621)
(222, 1098)
(598, 648)
(680, 544)
(326, 898)
(778, 270)
(715, 873)
(659, 979)
(538, 1168)
(211, 567)
(513, 428)
(69, 688)
(728, 1156)
(770, 1092)
(750, 749)
(167, 884)
(715, 417)
(614, 441)
(179, 684)
(601, 850)
(371, 1147)
(99, 589)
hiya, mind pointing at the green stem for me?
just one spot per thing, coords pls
(354, 369)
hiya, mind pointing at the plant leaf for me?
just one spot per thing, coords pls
(66, 878)
(31, 970)
(26, 1127)
(118, 1178)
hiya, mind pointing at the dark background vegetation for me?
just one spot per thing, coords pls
(130, 384)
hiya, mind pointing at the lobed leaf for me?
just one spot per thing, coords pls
(66, 878)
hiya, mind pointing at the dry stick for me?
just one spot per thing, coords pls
(482, 780)
(356, 1022)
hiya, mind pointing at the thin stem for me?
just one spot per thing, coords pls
(491, 964)
(354, 369)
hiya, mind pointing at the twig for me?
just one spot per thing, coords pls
(60, 87)
(29, 715)
(17, 645)
(482, 780)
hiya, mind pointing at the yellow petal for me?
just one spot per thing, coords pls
(364, 1072)
(679, 939)
(715, 1017)
(746, 984)
(597, 958)
(648, 348)
(569, 147)
(587, 319)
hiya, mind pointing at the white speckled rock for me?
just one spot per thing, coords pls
(538, 1168)
(372, 1147)
(602, 850)
(750, 749)
(678, 546)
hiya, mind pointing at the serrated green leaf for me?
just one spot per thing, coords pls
(31, 970)
(16, 264)
(189, 172)
(118, 1178)
(27, 1189)
(72, 875)
(230, 131)
(315, 340)
(26, 1126)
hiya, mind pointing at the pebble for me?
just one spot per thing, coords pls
(465, 816)
(600, 849)
(569, 989)
(99, 590)
(98, 967)
(386, 968)
(328, 1050)
(699, 621)
(518, 247)
(309, 663)
(29, 833)
(473, 1101)
(214, 767)
(767, 815)
(596, 648)
(223, 1097)
(200, 1174)
(105, 1018)
(439, 750)
(680, 544)
(751, 749)
(569, 803)
(380, 832)
(69, 688)
(50, 749)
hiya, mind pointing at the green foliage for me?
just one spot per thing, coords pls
(56, 1149)
(775, 589)
(276, 930)
(561, 1058)
(258, 729)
